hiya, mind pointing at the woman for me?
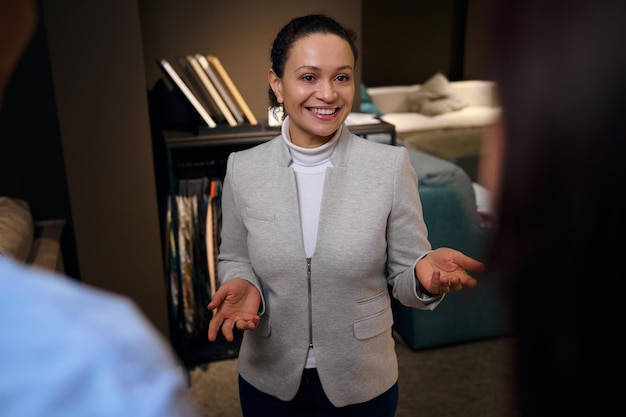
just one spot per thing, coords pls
(316, 224)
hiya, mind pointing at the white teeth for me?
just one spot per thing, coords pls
(324, 111)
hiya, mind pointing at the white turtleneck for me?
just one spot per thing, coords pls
(310, 166)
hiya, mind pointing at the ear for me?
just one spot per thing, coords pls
(276, 85)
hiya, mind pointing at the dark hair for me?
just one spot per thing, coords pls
(301, 27)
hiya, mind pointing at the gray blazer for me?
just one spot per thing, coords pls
(371, 234)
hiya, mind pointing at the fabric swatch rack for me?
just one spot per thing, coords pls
(191, 225)
(192, 237)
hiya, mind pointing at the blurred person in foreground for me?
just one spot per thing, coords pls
(555, 165)
(68, 350)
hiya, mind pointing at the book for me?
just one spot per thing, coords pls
(221, 71)
(190, 78)
(211, 90)
(222, 90)
(177, 82)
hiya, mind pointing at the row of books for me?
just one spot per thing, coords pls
(206, 85)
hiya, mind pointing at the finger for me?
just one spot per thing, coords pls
(464, 280)
(247, 324)
(214, 326)
(470, 282)
(244, 325)
(470, 264)
(227, 329)
(217, 299)
(456, 283)
(457, 286)
(435, 283)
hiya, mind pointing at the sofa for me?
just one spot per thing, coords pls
(34, 243)
(441, 118)
(450, 208)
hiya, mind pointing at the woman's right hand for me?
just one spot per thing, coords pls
(235, 303)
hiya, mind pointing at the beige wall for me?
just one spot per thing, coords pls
(99, 82)
(406, 42)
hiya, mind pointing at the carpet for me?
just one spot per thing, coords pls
(469, 380)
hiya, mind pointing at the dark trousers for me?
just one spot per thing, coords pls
(310, 401)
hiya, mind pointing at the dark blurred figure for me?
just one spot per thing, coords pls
(561, 73)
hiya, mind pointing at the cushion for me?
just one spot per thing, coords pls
(367, 105)
(435, 97)
(16, 228)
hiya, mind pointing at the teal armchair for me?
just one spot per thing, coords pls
(450, 215)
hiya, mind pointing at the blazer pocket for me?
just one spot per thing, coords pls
(259, 215)
(376, 316)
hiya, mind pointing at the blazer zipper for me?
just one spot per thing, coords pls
(308, 277)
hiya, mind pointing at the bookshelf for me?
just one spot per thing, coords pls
(187, 156)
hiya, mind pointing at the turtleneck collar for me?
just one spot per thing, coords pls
(309, 156)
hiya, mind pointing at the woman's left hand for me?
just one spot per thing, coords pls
(444, 270)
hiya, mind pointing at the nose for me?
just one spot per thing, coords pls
(327, 91)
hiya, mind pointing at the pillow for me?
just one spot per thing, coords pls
(17, 229)
(435, 97)
(367, 105)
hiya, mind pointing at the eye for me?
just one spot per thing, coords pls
(308, 78)
(342, 78)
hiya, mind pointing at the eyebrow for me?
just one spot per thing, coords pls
(314, 68)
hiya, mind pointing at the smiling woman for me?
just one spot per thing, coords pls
(316, 225)
(316, 88)
(316, 83)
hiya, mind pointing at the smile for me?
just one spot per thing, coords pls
(323, 111)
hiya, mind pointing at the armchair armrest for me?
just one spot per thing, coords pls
(477, 93)
(450, 223)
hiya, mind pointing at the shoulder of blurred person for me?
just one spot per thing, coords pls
(67, 349)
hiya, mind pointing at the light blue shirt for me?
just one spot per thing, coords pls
(69, 350)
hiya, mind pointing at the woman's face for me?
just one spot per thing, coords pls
(317, 87)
